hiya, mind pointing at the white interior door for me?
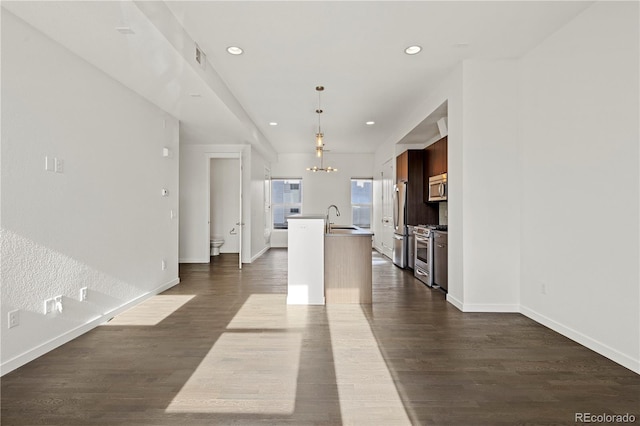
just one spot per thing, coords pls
(240, 221)
(267, 205)
(388, 179)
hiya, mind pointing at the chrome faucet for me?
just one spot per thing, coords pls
(337, 214)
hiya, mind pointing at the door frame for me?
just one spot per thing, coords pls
(225, 155)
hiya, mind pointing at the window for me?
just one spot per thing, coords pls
(361, 202)
(286, 200)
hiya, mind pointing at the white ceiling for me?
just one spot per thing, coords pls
(355, 49)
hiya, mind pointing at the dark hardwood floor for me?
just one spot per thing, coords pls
(224, 348)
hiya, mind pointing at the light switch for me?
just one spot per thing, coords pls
(49, 164)
(166, 152)
(59, 165)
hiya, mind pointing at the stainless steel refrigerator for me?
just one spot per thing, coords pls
(400, 230)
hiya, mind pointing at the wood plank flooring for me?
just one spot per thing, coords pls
(235, 353)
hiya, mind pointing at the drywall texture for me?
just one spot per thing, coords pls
(580, 181)
(100, 221)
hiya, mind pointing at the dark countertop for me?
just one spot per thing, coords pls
(348, 231)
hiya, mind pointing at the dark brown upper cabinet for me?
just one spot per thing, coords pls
(402, 167)
(436, 158)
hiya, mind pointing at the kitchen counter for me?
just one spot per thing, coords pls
(349, 231)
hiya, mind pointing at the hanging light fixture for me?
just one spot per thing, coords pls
(320, 141)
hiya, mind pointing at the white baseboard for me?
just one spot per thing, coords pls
(599, 347)
(38, 351)
(381, 251)
(455, 302)
(483, 307)
(480, 307)
(260, 253)
(195, 260)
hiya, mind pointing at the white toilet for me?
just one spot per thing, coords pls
(215, 242)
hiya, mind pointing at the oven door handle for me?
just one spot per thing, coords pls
(419, 272)
(422, 240)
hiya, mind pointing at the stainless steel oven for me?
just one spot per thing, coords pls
(423, 255)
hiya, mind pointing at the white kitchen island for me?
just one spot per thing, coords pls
(305, 283)
(342, 257)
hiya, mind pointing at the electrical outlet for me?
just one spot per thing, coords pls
(14, 318)
(164, 265)
(59, 165)
(83, 294)
(58, 303)
(49, 306)
(543, 288)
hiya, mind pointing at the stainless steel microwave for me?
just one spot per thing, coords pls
(438, 188)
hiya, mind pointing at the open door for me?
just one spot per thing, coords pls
(240, 222)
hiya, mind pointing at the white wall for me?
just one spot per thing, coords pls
(194, 184)
(490, 187)
(102, 223)
(580, 160)
(224, 210)
(321, 189)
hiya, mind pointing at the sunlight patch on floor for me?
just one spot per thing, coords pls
(152, 311)
(269, 311)
(244, 373)
(250, 372)
(367, 392)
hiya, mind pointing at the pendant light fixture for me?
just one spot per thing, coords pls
(320, 141)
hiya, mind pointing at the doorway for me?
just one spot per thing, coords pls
(225, 203)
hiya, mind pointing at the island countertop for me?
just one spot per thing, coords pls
(348, 231)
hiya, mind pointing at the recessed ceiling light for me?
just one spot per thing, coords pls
(412, 50)
(461, 44)
(234, 50)
(273, 123)
(370, 123)
(124, 29)
(195, 95)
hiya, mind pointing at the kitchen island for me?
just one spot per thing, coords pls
(347, 265)
(331, 267)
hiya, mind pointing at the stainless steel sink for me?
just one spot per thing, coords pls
(353, 228)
